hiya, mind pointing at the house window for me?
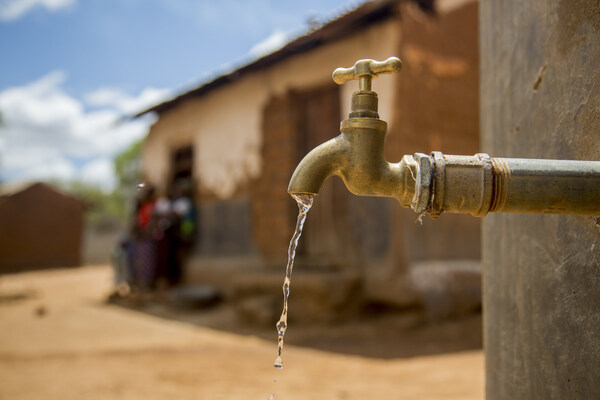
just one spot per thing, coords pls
(225, 227)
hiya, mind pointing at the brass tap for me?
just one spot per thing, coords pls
(357, 154)
(439, 183)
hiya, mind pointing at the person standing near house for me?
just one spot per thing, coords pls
(144, 246)
(163, 237)
(122, 266)
(184, 228)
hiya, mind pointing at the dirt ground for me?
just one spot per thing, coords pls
(61, 339)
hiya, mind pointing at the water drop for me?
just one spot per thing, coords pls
(278, 363)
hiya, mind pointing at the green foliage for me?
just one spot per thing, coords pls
(103, 209)
(110, 210)
(128, 169)
(128, 166)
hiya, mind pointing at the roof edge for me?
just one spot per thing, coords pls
(360, 17)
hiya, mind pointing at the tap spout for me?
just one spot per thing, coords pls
(357, 157)
(325, 160)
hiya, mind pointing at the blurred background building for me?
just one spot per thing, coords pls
(40, 227)
(238, 138)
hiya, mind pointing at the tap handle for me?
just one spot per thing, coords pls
(366, 70)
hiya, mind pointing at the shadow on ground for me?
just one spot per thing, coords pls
(375, 331)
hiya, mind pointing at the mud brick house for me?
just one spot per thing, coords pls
(239, 137)
(40, 227)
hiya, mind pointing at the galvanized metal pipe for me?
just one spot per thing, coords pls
(546, 186)
(480, 184)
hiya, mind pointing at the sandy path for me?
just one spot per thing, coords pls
(60, 340)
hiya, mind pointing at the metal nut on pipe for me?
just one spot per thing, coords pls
(456, 184)
(421, 202)
(467, 185)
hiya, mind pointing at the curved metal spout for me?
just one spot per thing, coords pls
(322, 162)
(356, 156)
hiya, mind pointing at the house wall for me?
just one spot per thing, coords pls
(246, 142)
(436, 109)
(540, 91)
(225, 125)
(227, 129)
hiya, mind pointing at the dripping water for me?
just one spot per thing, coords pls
(304, 201)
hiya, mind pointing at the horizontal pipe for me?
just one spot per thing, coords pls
(480, 184)
(546, 186)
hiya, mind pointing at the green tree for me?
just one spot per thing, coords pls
(103, 209)
(107, 210)
(128, 166)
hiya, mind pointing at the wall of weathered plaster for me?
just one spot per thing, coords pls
(436, 109)
(540, 98)
(246, 135)
(224, 125)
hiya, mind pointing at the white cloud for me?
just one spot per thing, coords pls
(274, 41)
(14, 9)
(124, 102)
(49, 134)
(48, 167)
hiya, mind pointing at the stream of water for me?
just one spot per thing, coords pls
(304, 201)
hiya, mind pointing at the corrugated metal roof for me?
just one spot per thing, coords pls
(347, 23)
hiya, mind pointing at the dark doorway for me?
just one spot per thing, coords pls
(326, 238)
(182, 163)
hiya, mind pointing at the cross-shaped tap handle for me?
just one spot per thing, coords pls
(366, 70)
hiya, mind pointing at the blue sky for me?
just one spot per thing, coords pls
(69, 69)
